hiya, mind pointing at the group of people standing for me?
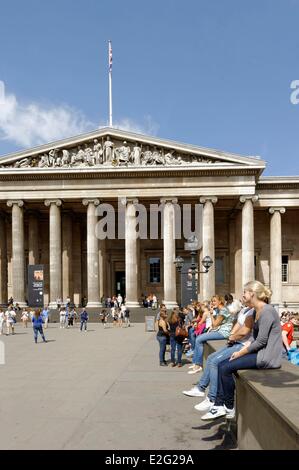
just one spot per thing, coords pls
(255, 339)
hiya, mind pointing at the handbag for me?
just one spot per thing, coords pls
(181, 332)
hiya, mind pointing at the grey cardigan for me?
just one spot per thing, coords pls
(267, 339)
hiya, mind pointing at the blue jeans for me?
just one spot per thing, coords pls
(36, 330)
(210, 373)
(199, 344)
(83, 322)
(226, 383)
(174, 345)
(162, 342)
(192, 337)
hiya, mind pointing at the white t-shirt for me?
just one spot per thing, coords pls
(10, 314)
(243, 314)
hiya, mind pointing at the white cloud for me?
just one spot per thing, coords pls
(34, 124)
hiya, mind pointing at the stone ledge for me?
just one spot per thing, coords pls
(267, 406)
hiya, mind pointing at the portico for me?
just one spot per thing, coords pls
(48, 216)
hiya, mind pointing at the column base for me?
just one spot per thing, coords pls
(94, 304)
(170, 304)
(52, 306)
(132, 304)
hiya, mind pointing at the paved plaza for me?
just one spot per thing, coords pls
(103, 389)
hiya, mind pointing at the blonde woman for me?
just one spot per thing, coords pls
(264, 352)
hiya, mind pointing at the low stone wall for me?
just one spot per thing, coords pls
(137, 315)
(267, 403)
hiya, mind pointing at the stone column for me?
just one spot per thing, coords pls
(248, 238)
(238, 290)
(93, 291)
(208, 245)
(67, 258)
(131, 255)
(77, 262)
(33, 245)
(276, 254)
(102, 268)
(3, 261)
(18, 253)
(170, 295)
(55, 252)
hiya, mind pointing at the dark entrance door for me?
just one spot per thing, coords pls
(120, 283)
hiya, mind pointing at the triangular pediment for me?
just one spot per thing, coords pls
(113, 148)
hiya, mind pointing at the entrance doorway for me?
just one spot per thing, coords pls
(120, 283)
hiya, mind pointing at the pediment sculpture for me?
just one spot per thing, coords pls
(110, 153)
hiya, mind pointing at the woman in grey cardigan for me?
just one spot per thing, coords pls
(264, 352)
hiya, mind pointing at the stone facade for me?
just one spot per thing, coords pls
(48, 213)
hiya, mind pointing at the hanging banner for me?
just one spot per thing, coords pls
(36, 285)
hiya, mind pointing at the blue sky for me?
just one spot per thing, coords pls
(211, 73)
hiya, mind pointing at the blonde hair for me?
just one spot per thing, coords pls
(262, 292)
(220, 299)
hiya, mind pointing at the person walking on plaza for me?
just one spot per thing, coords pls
(162, 335)
(10, 316)
(127, 317)
(25, 318)
(37, 323)
(62, 315)
(83, 320)
(264, 352)
(2, 319)
(45, 317)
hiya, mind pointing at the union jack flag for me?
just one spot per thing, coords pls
(110, 56)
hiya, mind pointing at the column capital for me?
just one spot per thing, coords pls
(129, 200)
(171, 200)
(19, 203)
(253, 198)
(212, 199)
(282, 210)
(95, 202)
(49, 202)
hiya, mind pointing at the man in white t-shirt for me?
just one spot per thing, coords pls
(10, 316)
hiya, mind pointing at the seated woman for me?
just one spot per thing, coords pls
(239, 337)
(221, 326)
(265, 352)
(198, 325)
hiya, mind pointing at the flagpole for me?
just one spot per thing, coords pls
(110, 84)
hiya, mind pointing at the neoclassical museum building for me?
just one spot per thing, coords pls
(49, 201)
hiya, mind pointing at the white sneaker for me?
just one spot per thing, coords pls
(205, 405)
(214, 413)
(191, 367)
(194, 392)
(195, 370)
(230, 413)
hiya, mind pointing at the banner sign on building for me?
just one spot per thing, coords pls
(36, 285)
